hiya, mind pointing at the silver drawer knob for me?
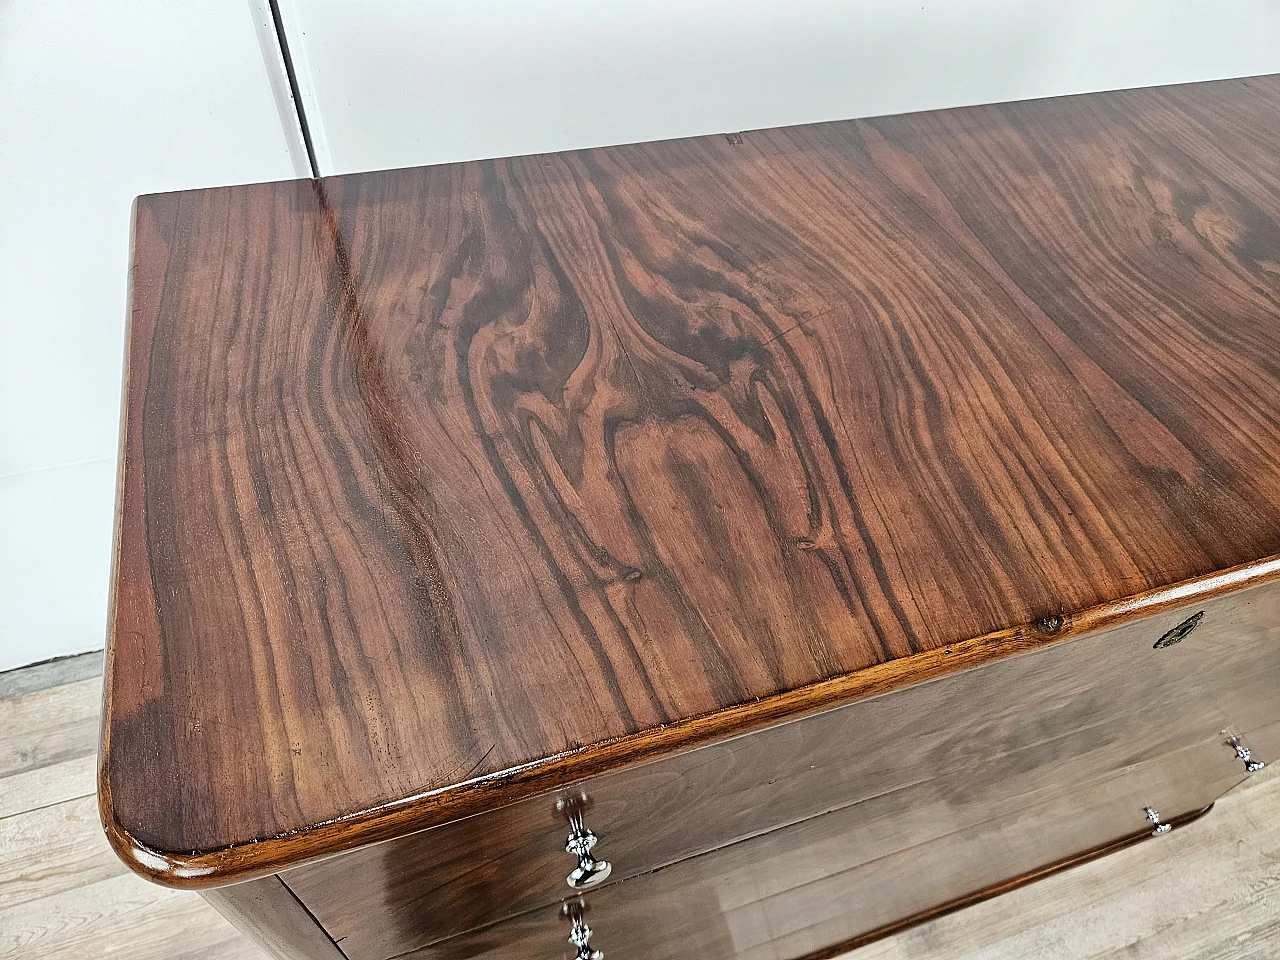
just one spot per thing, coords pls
(1245, 754)
(589, 872)
(1154, 817)
(580, 936)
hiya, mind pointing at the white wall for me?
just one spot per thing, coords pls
(405, 82)
(98, 102)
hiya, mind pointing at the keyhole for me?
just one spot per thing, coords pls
(1179, 633)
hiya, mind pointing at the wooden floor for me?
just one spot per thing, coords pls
(1210, 891)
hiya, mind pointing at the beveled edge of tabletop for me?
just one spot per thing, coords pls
(240, 862)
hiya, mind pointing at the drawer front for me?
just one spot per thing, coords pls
(815, 885)
(1061, 714)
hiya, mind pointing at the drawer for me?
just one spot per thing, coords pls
(1064, 713)
(845, 874)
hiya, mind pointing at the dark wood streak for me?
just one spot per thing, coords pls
(442, 487)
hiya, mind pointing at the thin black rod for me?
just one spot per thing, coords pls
(283, 40)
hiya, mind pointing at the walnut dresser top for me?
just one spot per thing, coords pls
(441, 486)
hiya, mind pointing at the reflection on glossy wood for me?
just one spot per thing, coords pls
(266, 912)
(445, 486)
(979, 740)
(943, 910)
(834, 878)
(1205, 878)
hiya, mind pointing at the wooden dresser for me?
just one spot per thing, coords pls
(739, 546)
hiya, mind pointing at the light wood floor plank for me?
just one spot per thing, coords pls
(49, 726)
(45, 786)
(51, 673)
(125, 918)
(47, 851)
(1239, 930)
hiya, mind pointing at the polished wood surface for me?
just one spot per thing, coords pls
(266, 912)
(1202, 893)
(933, 913)
(441, 487)
(850, 872)
(946, 755)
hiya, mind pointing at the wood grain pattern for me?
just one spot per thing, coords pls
(68, 729)
(122, 917)
(45, 786)
(61, 860)
(441, 486)
(938, 756)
